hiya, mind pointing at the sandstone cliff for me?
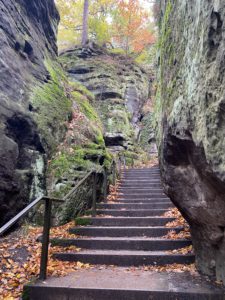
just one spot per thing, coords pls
(54, 127)
(110, 91)
(27, 39)
(45, 130)
(190, 110)
(120, 87)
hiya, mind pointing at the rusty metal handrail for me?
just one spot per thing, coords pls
(48, 208)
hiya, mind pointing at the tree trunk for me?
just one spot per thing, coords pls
(85, 23)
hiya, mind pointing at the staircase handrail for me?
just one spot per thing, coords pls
(48, 206)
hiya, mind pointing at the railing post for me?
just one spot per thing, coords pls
(45, 239)
(94, 194)
(132, 162)
(105, 184)
(114, 172)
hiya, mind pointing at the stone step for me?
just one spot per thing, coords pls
(141, 178)
(140, 185)
(141, 181)
(140, 171)
(128, 221)
(124, 284)
(132, 212)
(138, 180)
(156, 167)
(156, 200)
(119, 231)
(140, 190)
(141, 196)
(135, 205)
(143, 173)
(147, 172)
(126, 257)
(134, 244)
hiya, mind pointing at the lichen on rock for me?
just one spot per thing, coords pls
(190, 122)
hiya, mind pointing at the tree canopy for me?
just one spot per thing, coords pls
(125, 24)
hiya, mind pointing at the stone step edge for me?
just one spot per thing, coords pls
(126, 227)
(36, 291)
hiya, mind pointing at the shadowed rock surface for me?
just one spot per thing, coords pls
(27, 37)
(191, 122)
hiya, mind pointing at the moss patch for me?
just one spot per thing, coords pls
(147, 133)
(82, 221)
(51, 106)
(86, 107)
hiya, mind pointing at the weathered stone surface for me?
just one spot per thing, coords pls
(49, 125)
(120, 87)
(147, 134)
(27, 37)
(191, 123)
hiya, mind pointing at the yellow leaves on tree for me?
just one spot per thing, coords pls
(126, 24)
(132, 26)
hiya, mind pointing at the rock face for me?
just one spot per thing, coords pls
(28, 31)
(51, 131)
(191, 122)
(120, 87)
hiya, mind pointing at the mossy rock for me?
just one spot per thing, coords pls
(82, 221)
(51, 106)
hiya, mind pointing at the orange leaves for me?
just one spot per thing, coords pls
(62, 231)
(113, 193)
(20, 260)
(177, 268)
(184, 251)
(178, 222)
(184, 234)
(132, 26)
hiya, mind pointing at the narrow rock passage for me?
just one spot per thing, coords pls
(129, 232)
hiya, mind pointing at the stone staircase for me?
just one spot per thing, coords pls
(127, 233)
(131, 232)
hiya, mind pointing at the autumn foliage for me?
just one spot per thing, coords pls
(132, 30)
(125, 24)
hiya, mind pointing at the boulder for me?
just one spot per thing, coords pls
(191, 122)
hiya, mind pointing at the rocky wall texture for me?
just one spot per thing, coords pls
(50, 133)
(51, 124)
(27, 38)
(120, 87)
(191, 121)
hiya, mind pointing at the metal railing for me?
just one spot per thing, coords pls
(48, 209)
